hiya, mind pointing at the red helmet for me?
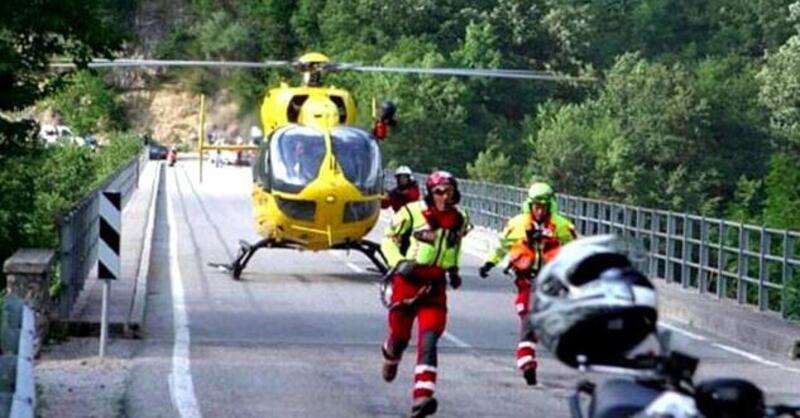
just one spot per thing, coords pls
(441, 178)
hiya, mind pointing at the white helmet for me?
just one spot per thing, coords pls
(403, 170)
(590, 304)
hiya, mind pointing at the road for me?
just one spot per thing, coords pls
(300, 335)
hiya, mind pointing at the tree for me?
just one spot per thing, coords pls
(88, 104)
(492, 166)
(660, 157)
(783, 192)
(780, 91)
(570, 148)
(33, 33)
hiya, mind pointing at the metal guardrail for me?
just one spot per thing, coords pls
(78, 231)
(17, 388)
(752, 265)
(24, 403)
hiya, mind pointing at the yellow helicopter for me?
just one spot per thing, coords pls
(318, 178)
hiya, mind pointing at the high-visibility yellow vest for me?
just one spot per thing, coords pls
(438, 247)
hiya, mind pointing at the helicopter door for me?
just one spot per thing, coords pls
(296, 154)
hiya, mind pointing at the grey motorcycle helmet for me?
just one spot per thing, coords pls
(591, 306)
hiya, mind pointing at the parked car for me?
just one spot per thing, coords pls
(56, 134)
(157, 151)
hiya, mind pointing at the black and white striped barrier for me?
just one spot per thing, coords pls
(108, 264)
(108, 261)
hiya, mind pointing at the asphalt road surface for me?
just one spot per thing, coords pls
(300, 334)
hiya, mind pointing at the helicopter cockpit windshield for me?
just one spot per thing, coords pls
(296, 156)
(359, 157)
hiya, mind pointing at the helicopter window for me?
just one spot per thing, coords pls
(296, 156)
(339, 102)
(293, 111)
(359, 158)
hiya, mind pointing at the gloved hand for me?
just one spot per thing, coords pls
(484, 270)
(535, 235)
(404, 268)
(455, 278)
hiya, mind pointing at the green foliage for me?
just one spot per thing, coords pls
(88, 105)
(747, 203)
(678, 119)
(492, 166)
(32, 33)
(657, 161)
(780, 91)
(39, 184)
(783, 192)
(120, 148)
(569, 149)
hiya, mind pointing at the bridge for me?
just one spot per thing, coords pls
(300, 334)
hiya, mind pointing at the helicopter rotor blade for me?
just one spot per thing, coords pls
(466, 72)
(124, 62)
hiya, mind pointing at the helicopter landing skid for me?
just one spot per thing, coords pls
(370, 249)
(246, 251)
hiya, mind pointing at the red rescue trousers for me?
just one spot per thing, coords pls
(526, 347)
(423, 298)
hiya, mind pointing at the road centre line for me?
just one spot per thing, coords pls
(180, 379)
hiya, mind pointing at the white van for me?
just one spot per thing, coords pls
(54, 134)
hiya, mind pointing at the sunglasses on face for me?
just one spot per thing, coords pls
(442, 191)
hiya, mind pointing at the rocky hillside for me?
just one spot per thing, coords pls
(171, 115)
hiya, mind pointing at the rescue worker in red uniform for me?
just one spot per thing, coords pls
(406, 191)
(530, 239)
(419, 279)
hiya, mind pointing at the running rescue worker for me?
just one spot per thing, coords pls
(530, 239)
(419, 279)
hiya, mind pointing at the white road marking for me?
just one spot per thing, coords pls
(455, 340)
(739, 352)
(352, 266)
(180, 379)
(755, 358)
(682, 331)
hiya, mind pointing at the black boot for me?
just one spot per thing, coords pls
(424, 407)
(389, 370)
(530, 376)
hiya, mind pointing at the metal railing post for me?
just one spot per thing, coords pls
(685, 253)
(786, 273)
(763, 249)
(668, 268)
(741, 284)
(722, 281)
(702, 281)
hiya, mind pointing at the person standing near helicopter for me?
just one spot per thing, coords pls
(419, 279)
(530, 239)
(405, 192)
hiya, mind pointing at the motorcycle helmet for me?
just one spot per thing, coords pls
(440, 178)
(591, 306)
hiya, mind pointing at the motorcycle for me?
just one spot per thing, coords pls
(596, 312)
(661, 385)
